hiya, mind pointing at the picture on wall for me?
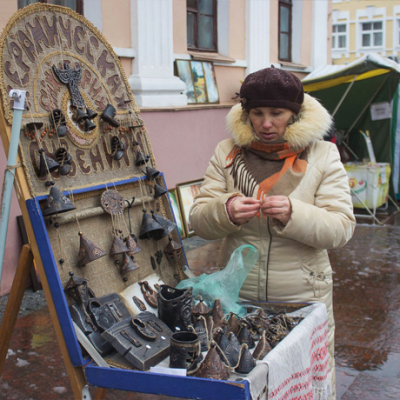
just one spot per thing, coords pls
(200, 79)
(173, 198)
(187, 192)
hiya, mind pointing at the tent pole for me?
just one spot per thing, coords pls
(366, 106)
(344, 95)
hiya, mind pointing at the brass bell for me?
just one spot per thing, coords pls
(46, 164)
(91, 114)
(151, 173)
(80, 116)
(246, 361)
(117, 148)
(165, 223)
(108, 116)
(88, 251)
(57, 203)
(212, 367)
(118, 246)
(149, 228)
(141, 159)
(128, 265)
(132, 245)
(88, 125)
(217, 313)
(173, 251)
(159, 191)
(262, 348)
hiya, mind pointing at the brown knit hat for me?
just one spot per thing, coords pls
(272, 87)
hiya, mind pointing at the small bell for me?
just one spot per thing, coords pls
(217, 313)
(108, 116)
(57, 120)
(212, 367)
(65, 169)
(64, 159)
(141, 159)
(128, 265)
(88, 251)
(221, 339)
(32, 126)
(118, 246)
(46, 163)
(200, 331)
(245, 337)
(88, 125)
(159, 191)
(132, 245)
(262, 348)
(200, 309)
(233, 324)
(80, 116)
(232, 350)
(247, 362)
(57, 203)
(151, 173)
(149, 228)
(165, 223)
(173, 251)
(91, 114)
(117, 148)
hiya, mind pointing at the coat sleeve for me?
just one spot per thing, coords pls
(208, 215)
(329, 222)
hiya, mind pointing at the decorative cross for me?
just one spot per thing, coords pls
(72, 78)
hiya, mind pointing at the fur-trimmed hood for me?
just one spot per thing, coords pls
(313, 122)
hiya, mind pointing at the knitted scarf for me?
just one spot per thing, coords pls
(277, 169)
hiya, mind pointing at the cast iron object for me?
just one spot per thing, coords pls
(80, 116)
(88, 251)
(201, 332)
(132, 245)
(167, 225)
(200, 309)
(57, 120)
(159, 191)
(32, 126)
(149, 294)
(150, 228)
(245, 337)
(151, 173)
(62, 130)
(117, 148)
(246, 361)
(185, 351)
(91, 114)
(141, 159)
(108, 116)
(57, 203)
(173, 251)
(128, 265)
(174, 306)
(233, 324)
(232, 350)
(139, 303)
(143, 329)
(46, 164)
(221, 339)
(78, 289)
(112, 202)
(217, 313)
(88, 126)
(262, 348)
(212, 367)
(118, 246)
(64, 159)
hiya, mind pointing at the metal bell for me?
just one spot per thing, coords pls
(32, 126)
(108, 116)
(149, 228)
(57, 119)
(233, 324)
(80, 116)
(200, 309)
(173, 251)
(245, 337)
(246, 362)
(88, 251)
(46, 164)
(65, 169)
(232, 350)
(212, 367)
(128, 265)
(91, 114)
(132, 245)
(151, 173)
(217, 313)
(200, 331)
(159, 191)
(262, 348)
(117, 148)
(141, 159)
(221, 339)
(64, 159)
(89, 125)
(118, 246)
(165, 223)
(57, 203)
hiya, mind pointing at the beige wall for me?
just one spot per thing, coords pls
(179, 23)
(306, 32)
(229, 81)
(8, 8)
(237, 29)
(273, 38)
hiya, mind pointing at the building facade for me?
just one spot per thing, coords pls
(235, 37)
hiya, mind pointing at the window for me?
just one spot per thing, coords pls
(285, 30)
(372, 34)
(76, 5)
(339, 36)
(202, 25)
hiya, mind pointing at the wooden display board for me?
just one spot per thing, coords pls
(38, 41)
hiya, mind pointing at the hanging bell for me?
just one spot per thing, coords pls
(200, 331)
(217, 313)
(88, 251)
(80, 116)
(128, 265)
(88, 125)
(245, 337)
(149, 228)
(262, 348)
(108, 116)
(46, 163)
(64, 159)
(91, 114)
(57, 119)
(212, 367)
(233, 324)
(117, 148)
(159, 191)
(221, 339)
(118, 246)
(165, 223)
(132, 246)
(232, 350)
(246, 362)
(151, 173)
(57, 203)
(141, 159)
(200, 309)
(173, 251)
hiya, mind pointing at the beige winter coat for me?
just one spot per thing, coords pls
(293, 262)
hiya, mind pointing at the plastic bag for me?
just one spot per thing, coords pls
(225, 284)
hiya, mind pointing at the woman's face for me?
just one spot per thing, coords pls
(270, 123)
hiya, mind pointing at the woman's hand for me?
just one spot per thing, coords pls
(243, 209)
(278, 207)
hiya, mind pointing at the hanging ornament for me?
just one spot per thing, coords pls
(88, 251)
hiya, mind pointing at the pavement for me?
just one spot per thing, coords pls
(366, 306)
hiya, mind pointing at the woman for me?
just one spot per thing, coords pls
(278, 186)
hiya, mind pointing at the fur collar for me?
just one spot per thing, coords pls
(312, 124)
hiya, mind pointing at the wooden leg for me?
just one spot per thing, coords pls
(14, 302)
(100, 394)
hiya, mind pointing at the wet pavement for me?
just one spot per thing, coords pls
(367, 314)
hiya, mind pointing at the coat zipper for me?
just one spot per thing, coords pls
(269, 251)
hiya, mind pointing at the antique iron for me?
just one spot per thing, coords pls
(128, 265)
(150, 228)
(232, 350)
(117, 148)
(221, 339)
(88, 126)
(173, 251)
(78, 289)
(91, 113)
(246, 361)
(167, 225)
(57, 119)
(233, 324)
(80, 116)
(57, 203)
(143, 329)
(64, 159)
(245, 337)
(200, 330)
(159, 191)
(108, 116)
(217, 313)
(88, 251)
(112, 202)
(118, 246)
(149, 294)
(141, 159)
(46, 163)
(139, 303)
(131, 245)
(212, 367)
(174, 306)
(200, 309)
(185, 351)
(151, 173)
(262, 348)
(32, 126)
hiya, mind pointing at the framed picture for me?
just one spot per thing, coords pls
(173, 198)
(201, 83)
(187, 192)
